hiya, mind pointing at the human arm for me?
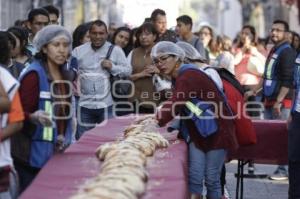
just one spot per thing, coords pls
(147, 72)
(117, 63)
(280, 97)
(255, 90)
(29, 94)
(15, 119)
(4, 101)
(286, 71)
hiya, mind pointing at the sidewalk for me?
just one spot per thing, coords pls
(257, 188)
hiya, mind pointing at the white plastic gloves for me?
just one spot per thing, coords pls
(42, 118)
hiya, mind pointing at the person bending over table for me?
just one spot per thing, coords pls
(206, 154)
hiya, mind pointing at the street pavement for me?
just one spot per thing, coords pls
(257, 188)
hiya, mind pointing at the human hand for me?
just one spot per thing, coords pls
(247, 44)
(59, 145)
(146, 73)
(153, 69)
(277, 108)
(106, 64)
(41, 117)
(248, 94)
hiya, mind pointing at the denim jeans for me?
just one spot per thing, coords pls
(269, 115)
(13, 190)
(89, 118)
(205, 167)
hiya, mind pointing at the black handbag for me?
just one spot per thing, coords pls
(120, 86)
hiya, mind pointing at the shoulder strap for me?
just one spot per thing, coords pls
(297, 72)
(196, 42)
(229, 77)
(281, 48)
(185, 67)
(14, 70)
(109, 51)
(296, 81)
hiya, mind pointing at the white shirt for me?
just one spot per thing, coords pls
(11, 86)
(214, 75)
(93, 80)
(225, 60)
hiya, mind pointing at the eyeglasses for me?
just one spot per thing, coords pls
(276, 30)
(161, 59)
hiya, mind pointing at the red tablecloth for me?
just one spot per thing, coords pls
(271, 147)
(64, 173)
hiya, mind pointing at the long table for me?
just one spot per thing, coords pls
(271, 148)
(64, 173)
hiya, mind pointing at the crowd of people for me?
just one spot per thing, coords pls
(55, 86)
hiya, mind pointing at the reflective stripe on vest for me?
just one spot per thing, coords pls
(48, 131)
(269, 73)
(193, 108)
(270, 83)
(270, 67)
(297, 84)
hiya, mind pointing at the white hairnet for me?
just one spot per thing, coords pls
(49, 33)
(167, 48)
(191, 53)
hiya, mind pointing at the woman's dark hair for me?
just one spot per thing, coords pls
(133, 36)
(4, 48)
(79, 33)
(41, 56)
(253, 37)
(146, 27)
(12, 40)
(209, 29)
(212, 42)
(295, 35)
(22, 34)
(253, 32)
(128, 47)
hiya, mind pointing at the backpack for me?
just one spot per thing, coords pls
(234, 92)
(200, 112)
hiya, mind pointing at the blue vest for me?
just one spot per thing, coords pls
(296, 82)
(201, 115)
(43, 140)
(271, 82)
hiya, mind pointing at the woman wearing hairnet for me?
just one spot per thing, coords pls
(206, 154)
(46, 99)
